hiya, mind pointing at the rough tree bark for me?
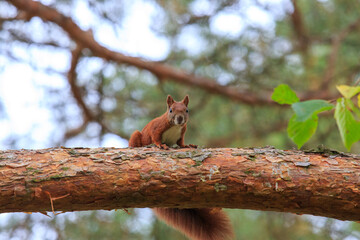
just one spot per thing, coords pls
(324, 183)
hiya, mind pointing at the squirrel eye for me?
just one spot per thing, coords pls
(170, 110)
(187, 110)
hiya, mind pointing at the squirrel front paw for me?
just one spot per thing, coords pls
(164, 146)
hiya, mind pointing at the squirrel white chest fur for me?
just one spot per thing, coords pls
(172, 135)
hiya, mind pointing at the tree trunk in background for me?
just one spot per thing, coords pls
(324, 183)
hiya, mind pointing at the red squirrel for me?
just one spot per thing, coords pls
(165, 131)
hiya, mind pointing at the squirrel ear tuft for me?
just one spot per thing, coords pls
(169, 100)
(186, 100)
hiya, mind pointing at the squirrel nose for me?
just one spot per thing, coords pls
(180, 119)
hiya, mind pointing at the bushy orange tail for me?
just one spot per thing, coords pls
(198, 223)
(135, 139)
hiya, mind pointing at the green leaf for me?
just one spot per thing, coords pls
(301, 132)
(304, 110)
(348, 91)
(353, 108)
(284, 95)
(349, 128)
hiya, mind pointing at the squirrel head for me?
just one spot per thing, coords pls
(177, 112)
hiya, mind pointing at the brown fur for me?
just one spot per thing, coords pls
(153, 131)
(163, 131)
(198, 223)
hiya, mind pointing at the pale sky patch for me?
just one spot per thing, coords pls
(227, 24)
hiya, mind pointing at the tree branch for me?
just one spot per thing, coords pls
(299, 27)
(163, 71)
(75, 56)
(24, 39)
(321, 183)
(76, 92)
